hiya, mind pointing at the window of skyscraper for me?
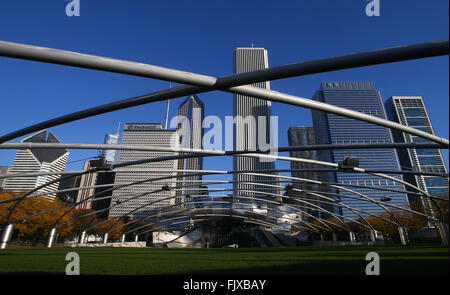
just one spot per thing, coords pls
(434, 181)
(419, 139)
(428, 161)
(424, 129)
(417, 122)
(438, 191)
(413, 112)
(425, 152)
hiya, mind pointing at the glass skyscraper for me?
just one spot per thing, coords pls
(333, 129)
(110, 155)
(411, 111)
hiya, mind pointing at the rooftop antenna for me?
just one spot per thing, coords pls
(118, 128)
(167, 111)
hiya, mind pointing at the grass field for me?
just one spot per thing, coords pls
(395, 260)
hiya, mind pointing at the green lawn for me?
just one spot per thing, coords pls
(397, 260)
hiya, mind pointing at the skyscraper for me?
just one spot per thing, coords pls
(100, 200)
(411, 111)
(110, 155)
(189, 127)
(37, 160)
(333, 129)
(247, 132)
(3, 171)
(304, 136)
(148, 134)
(87, 180)
(69, 183)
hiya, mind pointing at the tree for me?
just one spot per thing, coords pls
(80, 221)
(110, 224)
(37, 227)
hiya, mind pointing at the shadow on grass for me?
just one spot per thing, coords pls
(309, 268)
(338, 268)
(272, 261)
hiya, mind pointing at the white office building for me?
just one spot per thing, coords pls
(147, 200)
(37, 161)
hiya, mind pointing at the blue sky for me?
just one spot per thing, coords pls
(200, 36)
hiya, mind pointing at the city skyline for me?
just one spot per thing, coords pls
(296, 35)
(274, 139)
(256, 58)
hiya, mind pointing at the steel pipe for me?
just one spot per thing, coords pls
(6, 236)
(435, 48)
(51, 238)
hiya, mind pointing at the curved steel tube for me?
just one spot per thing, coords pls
(435, 48)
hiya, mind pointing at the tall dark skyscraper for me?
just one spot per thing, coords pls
(247, 132)
(333, 129)
(189, 127)
(304, 136)
(92, 179)
(411, 111)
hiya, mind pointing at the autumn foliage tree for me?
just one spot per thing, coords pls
(385, 223)
(111, 224)
(71, 224)
(37, 227)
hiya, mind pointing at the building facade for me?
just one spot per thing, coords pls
(3, 171)
(248, 130)
(411, 111)
(87, 187)
(304, 136)
(68, 188)
(334, 129)
(189, 128)
(38, 160)
(151, 197)
(110, 155)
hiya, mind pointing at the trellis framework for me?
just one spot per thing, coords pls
(196, 83)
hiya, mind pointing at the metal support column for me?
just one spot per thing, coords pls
(6, 236)
(82, 237)
(335, 237)
(443, 232)
(403, 235)
(373, 236)
(51, 237)
(352, 237)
